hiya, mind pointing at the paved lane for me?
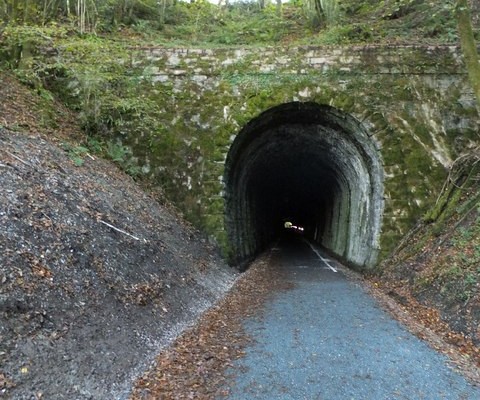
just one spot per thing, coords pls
(327, 339)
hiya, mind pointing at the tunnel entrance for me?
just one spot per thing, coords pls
(311, 165)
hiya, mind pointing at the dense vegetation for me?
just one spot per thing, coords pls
(238, 23)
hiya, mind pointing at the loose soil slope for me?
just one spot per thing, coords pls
(96, 276)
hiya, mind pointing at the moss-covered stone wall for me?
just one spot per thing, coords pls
(415, 103)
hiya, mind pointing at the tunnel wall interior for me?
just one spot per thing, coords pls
(310, 164)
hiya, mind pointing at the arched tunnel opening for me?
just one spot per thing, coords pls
(309, 164)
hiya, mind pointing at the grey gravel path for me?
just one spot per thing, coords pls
(327, 339)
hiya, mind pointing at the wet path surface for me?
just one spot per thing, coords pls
(326, 338)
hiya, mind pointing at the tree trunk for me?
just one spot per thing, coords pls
(469, 47)
(5, 18)
(279, 8)
(26, 10)
(162, 6)
(14, 11)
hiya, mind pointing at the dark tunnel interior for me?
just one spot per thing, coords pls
(309, 164)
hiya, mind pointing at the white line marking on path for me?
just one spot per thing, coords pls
(325, 260)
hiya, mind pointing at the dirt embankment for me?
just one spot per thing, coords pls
(435, 272)
(96, 275)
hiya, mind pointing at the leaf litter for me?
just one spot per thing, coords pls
(197, 364)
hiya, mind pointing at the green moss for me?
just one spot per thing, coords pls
(181, 131)
(212, 222)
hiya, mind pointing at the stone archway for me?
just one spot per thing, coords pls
(312, 164)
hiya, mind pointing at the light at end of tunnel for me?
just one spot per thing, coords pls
(289, 225)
